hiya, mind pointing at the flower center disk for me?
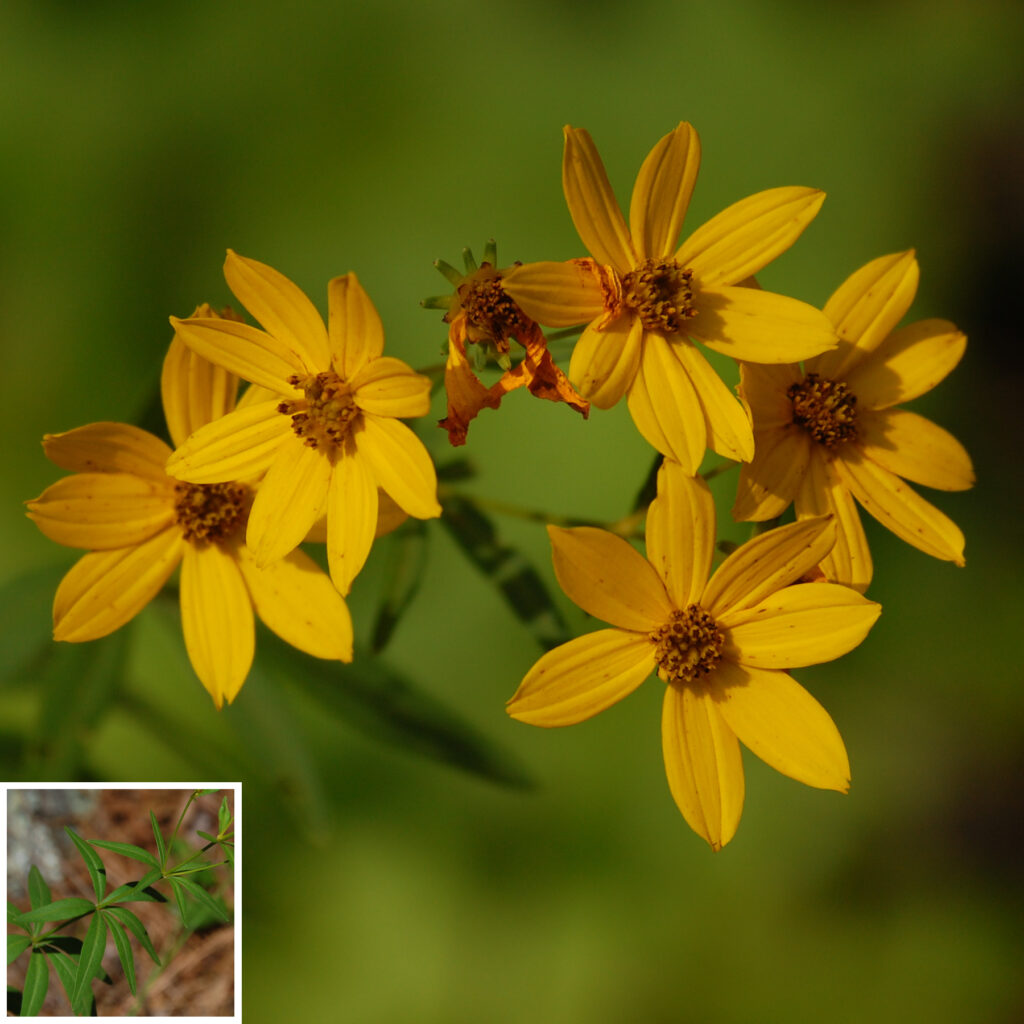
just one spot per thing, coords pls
(688, 646)
(324, 418)
(208, 513)
(826, 409)
(490, 312)
(659, 292)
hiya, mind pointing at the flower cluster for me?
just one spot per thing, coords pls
(314, 449)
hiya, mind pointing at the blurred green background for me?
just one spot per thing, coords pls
(141, 140)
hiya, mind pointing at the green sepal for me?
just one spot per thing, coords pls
(137, 928)
(37, 981)
(468, 261)
(89, 962)
(449, 272)
(97, 869)
(38, 890)
(160, 846)
(127, 850)
(16, 945)
(59, 910)
(124, 951)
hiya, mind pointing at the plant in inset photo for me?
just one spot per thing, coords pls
(120, 902)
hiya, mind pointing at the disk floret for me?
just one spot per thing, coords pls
(658, 290)
(324, 417)
(825, 408)
(688, 646)
(208, 513)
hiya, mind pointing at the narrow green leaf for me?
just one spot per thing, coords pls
(124, 951)
(160, 847)
(59, 910)
(137, 928)
(206, 792)
(179, 896)
(13, 913)
(90, 961)
(38, 890)
(37, 981)
(223, 816)
(67, 943)
(206, 836)
(127, 850)
(407, 559)
(66, 967)
(136, 892)
(97, 869)
(201, 896)
(16, 945)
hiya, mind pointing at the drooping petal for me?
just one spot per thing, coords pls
(388, 387)
(767, 563)
(351, 519)
(604, 362)
(901, 509)
(194, 391)
(703, 764)
(608, 578)
(100, 511)
(561, 294)
(768, 485)
(681, 533)
(764, 388)
(296, 599)
(289, 501)
(581, 678)
(592, 203)
(216, 618)
(104, 589)
(238, 446)
(400, 464)
(758, 326)
(356, 331)
(108, 448)
(865, 308)
(777, 719)
(804, 624)
(915, 448)
(664, 404)
(281, 307)
(748, 235)
(909, 362)
(662, 192)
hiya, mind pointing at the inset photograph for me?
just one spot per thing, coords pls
(121, 902)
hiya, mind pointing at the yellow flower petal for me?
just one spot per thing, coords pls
(779, 721)
(703, 764)
(238, 446)
(295, 598)
(681, 533)
(281, 307)
(748, 235)
(400, 464)
(388, 387)
(216, 618)
(356, 333)
(248, 353)
(604, 362)
(768, 485)
(758, 326)
(592, 204)
(865, 308)
(289, 501)
(804, 624)
(767, 563)
(577, 680)
(913, 447)
(900, 509)
(909, 362)
(195, 391)
(608, 578)
(664, 404)
(108, 448)
(764, 388)
(104, 589)
(351, 519)
(557, 294)
(662, 192)
(99, 511)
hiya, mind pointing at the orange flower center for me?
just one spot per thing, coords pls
(688, 646)
(491, 315)
(324, 418)
(210, 512)
(826, 409)
(659, 292)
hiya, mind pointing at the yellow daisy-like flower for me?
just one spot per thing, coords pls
(830, 435)
(139, 524)
(721, 646)
(330, 434)
(647, 301)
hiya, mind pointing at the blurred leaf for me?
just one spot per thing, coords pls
(161, 848)
(456, 470)
(38, 890)
(406, 560)
(59, 910)
(16, 945)
(206, 792)
(89, 962)
(205, 899)
(137, 928)
(206, 836)
(124, 951)
(27, 631)
(127, 850)
(223, 816)
(97, 869)
(12, 911)
(517, 581)
(37, 981)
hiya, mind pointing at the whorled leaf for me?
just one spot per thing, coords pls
(124, 949)
(37, 981)
(89, 961)
(94, 864)
(127, 850)
(136, 927)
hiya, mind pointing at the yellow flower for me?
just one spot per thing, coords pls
(721, 646)
(138, 524)
(831, 433)
(329, 435)
(647, 301)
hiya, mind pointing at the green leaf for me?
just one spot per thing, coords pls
(135, 892)
(59, 910)
(161, 848)
(66, 968)
(124, 951)
(137, 928)
(13, 913)
(37, 981)
(90, 961)
(407, 558)
(206, 792)
(223, 816)
(206, 836)
(97, 869)
(205, 899)
(27, 632)
(66, 943)
(179, 896)
(16, 945)
(127, 850)
(38, 890)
